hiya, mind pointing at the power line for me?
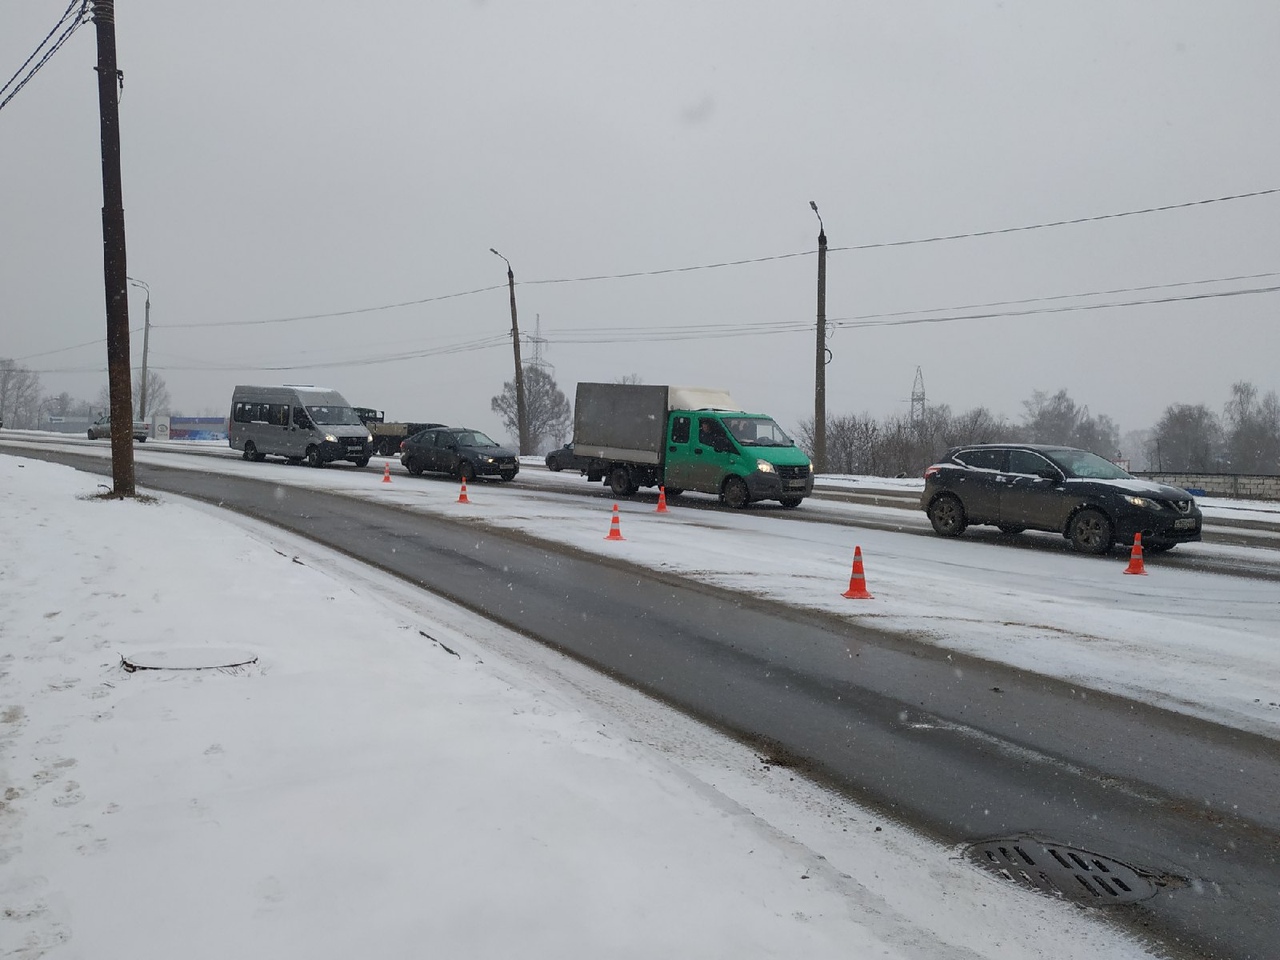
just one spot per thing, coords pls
(81, 18)
(323, 316)
(1063, 223)
(737, 263)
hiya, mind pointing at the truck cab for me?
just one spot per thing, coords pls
(742, 457)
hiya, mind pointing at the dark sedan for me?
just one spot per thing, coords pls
(1089, 500)
(565, 459)
(459, 452)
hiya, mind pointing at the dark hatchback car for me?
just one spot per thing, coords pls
(564, 458)
(1087, 499)
(459, 452)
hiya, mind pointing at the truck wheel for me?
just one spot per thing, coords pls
(735, 493)
(361, 461)
(791, 502)
(313, 457)
(620, 482)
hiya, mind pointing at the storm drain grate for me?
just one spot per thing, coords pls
(1063, 871)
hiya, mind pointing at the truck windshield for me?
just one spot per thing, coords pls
(757, 432)
(335, 416)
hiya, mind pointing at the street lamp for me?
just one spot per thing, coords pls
(146, 337)
(522, 421)
(820, 363)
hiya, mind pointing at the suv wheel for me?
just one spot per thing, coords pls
(1090, 531)
(946, 513)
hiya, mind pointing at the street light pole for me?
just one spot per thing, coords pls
(522, 420)
(146, 338)
(820, 364)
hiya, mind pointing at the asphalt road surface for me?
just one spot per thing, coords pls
(963, 749)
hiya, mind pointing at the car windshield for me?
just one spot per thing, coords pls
(335, 416)
(1084, 465)
(472, 438)
(757, 432)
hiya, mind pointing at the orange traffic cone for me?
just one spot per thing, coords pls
(462, 497)
(1135, 557)
(662, 500)
(386, 474)
(858, 581)
(615, 531)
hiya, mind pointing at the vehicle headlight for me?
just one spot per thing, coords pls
(368, 438)
(764, 466)
(331, 438)
(1142, 503)
(488, 459)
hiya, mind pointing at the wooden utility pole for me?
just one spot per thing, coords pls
(820, 368)
(113, 254)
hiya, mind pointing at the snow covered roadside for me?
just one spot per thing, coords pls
(366, 791)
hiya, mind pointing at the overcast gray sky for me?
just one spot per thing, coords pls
(286, 159)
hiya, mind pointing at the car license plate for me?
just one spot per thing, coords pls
(1186, 523)
(795, 484)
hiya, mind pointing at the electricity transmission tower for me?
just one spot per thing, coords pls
(917, 399)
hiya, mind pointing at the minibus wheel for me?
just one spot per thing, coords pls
(313, 457)
(735, 493)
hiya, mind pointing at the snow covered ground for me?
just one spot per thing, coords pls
(397, 777)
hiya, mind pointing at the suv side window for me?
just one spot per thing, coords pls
(982, 459)
(1032, 464)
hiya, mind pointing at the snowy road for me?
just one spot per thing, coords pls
(760, 553)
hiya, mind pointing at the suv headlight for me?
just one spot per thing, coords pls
(764, 466)
(1143, 503)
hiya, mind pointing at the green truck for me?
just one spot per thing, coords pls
(686, 438)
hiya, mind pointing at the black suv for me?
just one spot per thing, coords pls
(1028, 486)
(463, 453)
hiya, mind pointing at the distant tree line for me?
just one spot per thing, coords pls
(1245, 438)
(24, 407)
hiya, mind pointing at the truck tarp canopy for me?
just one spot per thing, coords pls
(699, 398)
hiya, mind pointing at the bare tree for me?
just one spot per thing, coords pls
(1058, 419)
(547, 411)
(1252, 430)
(19, 396)
(157, 394)
(1186, 438)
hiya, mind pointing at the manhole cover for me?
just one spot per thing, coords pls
(1063, 871)
(191, 659)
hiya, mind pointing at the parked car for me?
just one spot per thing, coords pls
(458, 451)
(1023, 486)
(565, 459)
(100, 429)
